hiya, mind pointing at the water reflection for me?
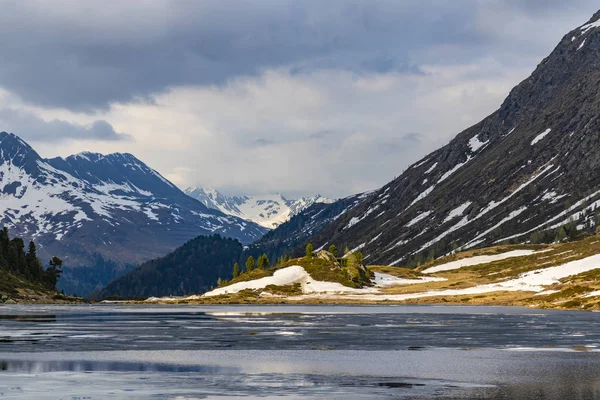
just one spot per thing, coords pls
(312, 352)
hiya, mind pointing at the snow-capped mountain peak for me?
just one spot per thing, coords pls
(268, 210)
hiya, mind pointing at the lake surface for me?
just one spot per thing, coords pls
(299, 352)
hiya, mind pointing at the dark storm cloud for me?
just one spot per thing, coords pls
(31, 127)
(86, 55)
(80, 56)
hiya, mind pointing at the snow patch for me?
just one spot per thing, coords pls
(431, 168)
(458, 211)
(540, 136)
(419, 218)
(289, 276)
(475, 144)
(477, 260)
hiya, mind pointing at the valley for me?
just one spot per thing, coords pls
(523, 178)
(297, 199)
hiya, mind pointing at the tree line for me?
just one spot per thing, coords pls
(26, 264)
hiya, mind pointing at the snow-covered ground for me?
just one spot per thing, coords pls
(386, 280)
(297, 274)
(477, 260)
(532, 281)
(289, 276)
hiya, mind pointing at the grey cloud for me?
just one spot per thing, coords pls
(87, 58)
(413, 137)
(32, 127)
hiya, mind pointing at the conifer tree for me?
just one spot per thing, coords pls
(561, 235)
(250, 264)
(333, 250)
(236, 270)
(263, 261)
(309, 250)
(53, 273)
(35, 270)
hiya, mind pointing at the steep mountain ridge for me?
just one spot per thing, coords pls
(269, 211)
(532, 165)
(114, 206)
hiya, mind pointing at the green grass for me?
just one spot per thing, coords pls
(288, 290)
(9, 285)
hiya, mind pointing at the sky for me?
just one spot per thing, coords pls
(251, 97)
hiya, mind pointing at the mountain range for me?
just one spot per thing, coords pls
(112, 206)
(268, 211)
(529, 168)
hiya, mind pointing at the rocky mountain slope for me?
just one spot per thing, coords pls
(533, 165)
(90, 205)
(268, 211)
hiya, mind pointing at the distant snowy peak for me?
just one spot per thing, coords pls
(269, 210)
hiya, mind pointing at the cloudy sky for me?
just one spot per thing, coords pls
(297, 97)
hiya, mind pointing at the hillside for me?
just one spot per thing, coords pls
(268, 211)
(192, 268)
(531, 166)
(564, 275)
(94, 209)
(23, 277)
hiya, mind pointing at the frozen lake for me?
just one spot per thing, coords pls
(307, 352)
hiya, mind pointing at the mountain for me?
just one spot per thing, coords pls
(531, 166)
(268, 211)
(90, 207)
(196, 266)
(290, 237)
(192, 268)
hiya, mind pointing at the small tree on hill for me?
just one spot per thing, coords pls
(355, 259)
(263, 261)
(236, 270)
(309, 250)
(333, 250)
(561, 235)
(250, 264)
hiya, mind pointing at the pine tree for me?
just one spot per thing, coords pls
(250, 264)
(309, 250)
(53, 273)
(236, 270)
(355, 259)
(561, 235)
(333, 250)
(34, 266)
(431, 255)
(263, 261)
